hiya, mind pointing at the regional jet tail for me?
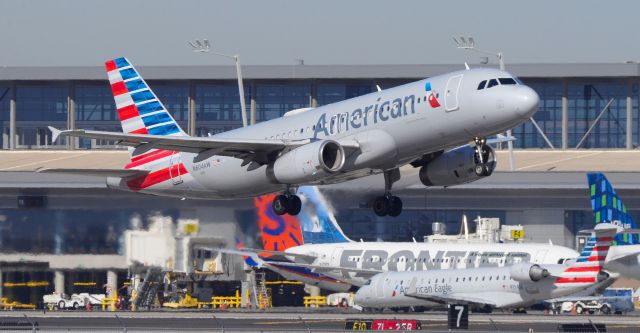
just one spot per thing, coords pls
(624, 257)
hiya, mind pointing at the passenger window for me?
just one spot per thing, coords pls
(492, 83)
(482, 84)
(507, 80)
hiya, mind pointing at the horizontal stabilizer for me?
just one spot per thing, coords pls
(121, 173)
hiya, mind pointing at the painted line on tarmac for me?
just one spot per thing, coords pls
(558, 161)
(43, 162)
(298, 322)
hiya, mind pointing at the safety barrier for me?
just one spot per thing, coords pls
(6, 305)
(111, 302)
(224, 301)
(315, 301)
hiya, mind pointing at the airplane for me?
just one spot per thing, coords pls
(312, 248)
(624, 258)
(439, 124)
(513, 286)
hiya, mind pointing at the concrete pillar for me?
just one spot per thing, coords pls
(58, 282)
(112, 283)
(254, 105)
(72, 143)
(313, 290)
(12, 118)
(565, 114)
(629, 115)
(192, 109)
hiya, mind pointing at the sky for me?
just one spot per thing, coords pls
(263, 32)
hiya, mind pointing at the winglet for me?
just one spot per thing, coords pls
(55, 133)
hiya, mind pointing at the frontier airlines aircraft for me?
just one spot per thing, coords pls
(439, 124)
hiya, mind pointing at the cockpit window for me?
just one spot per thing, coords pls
(507, 80)
(482, 84)
(492, 83)
(368, 282)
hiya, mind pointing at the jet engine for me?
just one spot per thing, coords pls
(458, 166)
(528, 272)
(309, 163)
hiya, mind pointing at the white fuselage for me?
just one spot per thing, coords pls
(483, 285)
(408, 256)
(391, 128)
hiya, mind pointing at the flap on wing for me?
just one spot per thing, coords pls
(257, 252)
(452, 298)
(229, 147)
(122, 173)
(320, 269)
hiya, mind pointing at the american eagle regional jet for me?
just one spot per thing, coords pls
(439, 124)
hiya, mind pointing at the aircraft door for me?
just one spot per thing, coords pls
(539, 259)
(451, 93)
(380, 286)
(335, 256)
(174, 168)
(343, 123)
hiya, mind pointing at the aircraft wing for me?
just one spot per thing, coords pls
(122, 173)
(247, 149)
(454, 298)
(252, 252)
(321, 269)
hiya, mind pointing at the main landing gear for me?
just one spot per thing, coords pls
(287, 203)
(483, 153)
(388, 204)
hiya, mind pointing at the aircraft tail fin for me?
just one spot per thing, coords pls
(139, 109)
(587, 267)
(317, 220)
(315, 224)
(608, 208)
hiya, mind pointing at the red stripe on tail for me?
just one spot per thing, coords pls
(110, 65)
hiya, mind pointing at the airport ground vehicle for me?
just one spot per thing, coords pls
(73, 301)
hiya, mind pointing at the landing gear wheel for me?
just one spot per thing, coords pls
(280, 204)
(295, 205)
(381, 206)
(395, 206)
(482, 170)
(287, 204)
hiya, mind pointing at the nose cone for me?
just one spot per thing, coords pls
(526, 102)
(361, 295)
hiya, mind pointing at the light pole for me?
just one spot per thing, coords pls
(205, 47)
(470, 44)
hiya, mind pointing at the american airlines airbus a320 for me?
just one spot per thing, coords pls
(427, 123)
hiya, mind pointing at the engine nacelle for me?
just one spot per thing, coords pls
(528, 273)
(308, 163)
(457, 167)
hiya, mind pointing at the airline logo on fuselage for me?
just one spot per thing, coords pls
(365, 116)
(378, 259)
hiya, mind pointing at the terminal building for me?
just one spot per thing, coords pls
(63, 233)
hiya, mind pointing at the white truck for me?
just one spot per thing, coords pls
(58, 301)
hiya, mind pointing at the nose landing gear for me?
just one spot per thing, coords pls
(483, 152)
(388, 204)
(287, 203)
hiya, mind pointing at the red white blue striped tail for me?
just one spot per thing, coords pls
(139, 109)
(586, 267)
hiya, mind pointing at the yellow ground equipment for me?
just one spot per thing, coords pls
(185, 302)
(315, 301)
(6, 305)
